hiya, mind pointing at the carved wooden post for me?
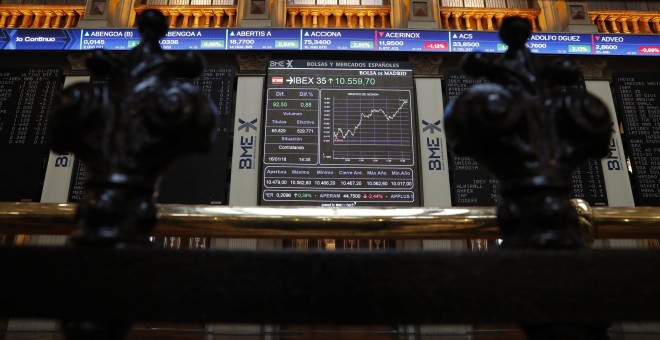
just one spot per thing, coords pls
(531, 133)
(127, 131)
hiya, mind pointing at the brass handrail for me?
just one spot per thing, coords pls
(311, 222)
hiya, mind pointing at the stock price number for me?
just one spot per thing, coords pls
(277, 182)
(362, 81)
(316, 42)
(536, 46)
(606, 47)
(386, 43)
(465, 44)
(242, 42)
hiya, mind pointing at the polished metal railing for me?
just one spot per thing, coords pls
(309, 222)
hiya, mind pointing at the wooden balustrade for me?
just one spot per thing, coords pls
(198, 16)
(40, 16)
(483, 19)
(626, 22)
(339, 16)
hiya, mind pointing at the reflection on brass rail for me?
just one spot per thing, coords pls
(309, 222)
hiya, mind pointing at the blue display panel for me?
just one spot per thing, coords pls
(330, 40)
(476, 42)
(626, 44)
(263, 39)
(175, 39)
(4, 38)
(417, 41)
(560, 43)
(42, 39)
(338, 40)
(109, 39)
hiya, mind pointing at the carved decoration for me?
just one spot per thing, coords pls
(626, 22)
(531, 131)
(40, 16)
(77, 61)
(128, 130)
(426, 63)
(338, 16)
(253, 61)
(591, 67)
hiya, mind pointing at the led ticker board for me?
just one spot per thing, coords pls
(26, 98)
(302, 39)
(474, 41)
(338, 40)
(263, 39)
(625, 44)
(472, 185)
(339, 133)
(417, 41)
(41, 39)
(195, 178)
(638, 104)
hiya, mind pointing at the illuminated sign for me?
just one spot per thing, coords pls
(339, 133)
(330, 40)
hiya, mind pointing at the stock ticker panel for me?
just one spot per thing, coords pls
(473, 185)
(26, 98)
(199, 178)
(638, 104)
(339, 133)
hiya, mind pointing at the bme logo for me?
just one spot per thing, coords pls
(247, 143)
(62, 160)
(433, 144)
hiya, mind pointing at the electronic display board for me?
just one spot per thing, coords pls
(625, 44)
(473, 185)
(470, 183)
(196, 178)
(303, 39)
(262, 39)
(4, 38)
(638, 103)
(339, 133)
(417, 41)
(26, 97)
(42, 39)
(202, 178)
(110, 39)
(476, 41)
(338, 40)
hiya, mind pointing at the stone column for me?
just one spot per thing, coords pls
(3, 18)
(292, 15)
(196, 16)
(338, 14)
(13, 19)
